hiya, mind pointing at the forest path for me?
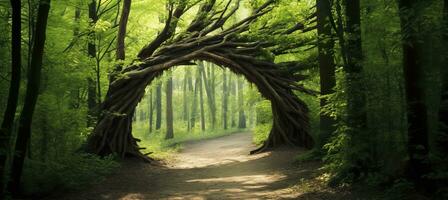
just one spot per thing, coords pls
(218, 168)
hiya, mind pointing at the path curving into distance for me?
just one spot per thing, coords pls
(219, 168)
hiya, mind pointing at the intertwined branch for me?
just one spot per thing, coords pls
(209, 38)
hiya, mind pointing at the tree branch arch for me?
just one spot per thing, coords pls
(202, 41)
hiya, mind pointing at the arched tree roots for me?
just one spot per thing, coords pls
(227, 48)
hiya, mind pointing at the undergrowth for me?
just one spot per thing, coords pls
(69, 172)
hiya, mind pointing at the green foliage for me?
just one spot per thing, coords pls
(261, 133)
(71, 172)
(264, 122)
(59, 124)
(312, 155)
(337, 160)
(401, 190)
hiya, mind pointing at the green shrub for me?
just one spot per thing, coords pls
(71, 172)
(261, 133)
(264, 122)
(401, 190)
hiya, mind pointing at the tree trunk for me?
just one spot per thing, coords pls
(189, 95)
(158, 106)
(92, 101)
(169, 108)
(194, 105)
(13, 96)
(75, 100)
(151, 111)
(32, 92)
(326, 67)
(418, 144)
(233, 106)
(201, 98)
(225, 98)
(113, 132)
(442, 137)
(213, 85)
(209, 92)
(356, 98)
(120, 53)
(241, 115)
(186, 99)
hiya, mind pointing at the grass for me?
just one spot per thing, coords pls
(160, 148)
(68, 172)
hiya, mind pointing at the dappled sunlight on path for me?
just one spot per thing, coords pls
(218, 151)
(219, 168)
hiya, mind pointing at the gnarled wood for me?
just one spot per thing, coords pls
(226, 48)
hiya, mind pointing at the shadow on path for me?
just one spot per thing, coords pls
(217, 168)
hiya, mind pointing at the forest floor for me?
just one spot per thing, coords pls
(218, 168)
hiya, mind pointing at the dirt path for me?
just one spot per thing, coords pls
(217, 168)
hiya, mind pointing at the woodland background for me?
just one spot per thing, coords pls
(380, 67)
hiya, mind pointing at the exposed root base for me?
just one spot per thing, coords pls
(226, 48)
(263, 148)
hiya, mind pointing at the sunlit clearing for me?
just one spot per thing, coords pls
(206, 100)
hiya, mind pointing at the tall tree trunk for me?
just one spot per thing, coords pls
(442, 140)
(209, 92)
(14, 87)
(120, 53)
(186, 99)
(190, 93)
(158, 106)
(75, 100)
(169, 108)
(201, 99)
(212, 84)
(225, 94)
(418, 143)
(326, 67)
(92, 100)
(32, 91)
(194, 105)
(31, 28)
(241, 115)
(151, 111)
(232, 90)
(356, 98)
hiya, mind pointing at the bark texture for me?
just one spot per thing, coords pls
(169, 109)
(225, 48)
(326, 66)
(418, 130)
(32, 92)
(13, 96)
